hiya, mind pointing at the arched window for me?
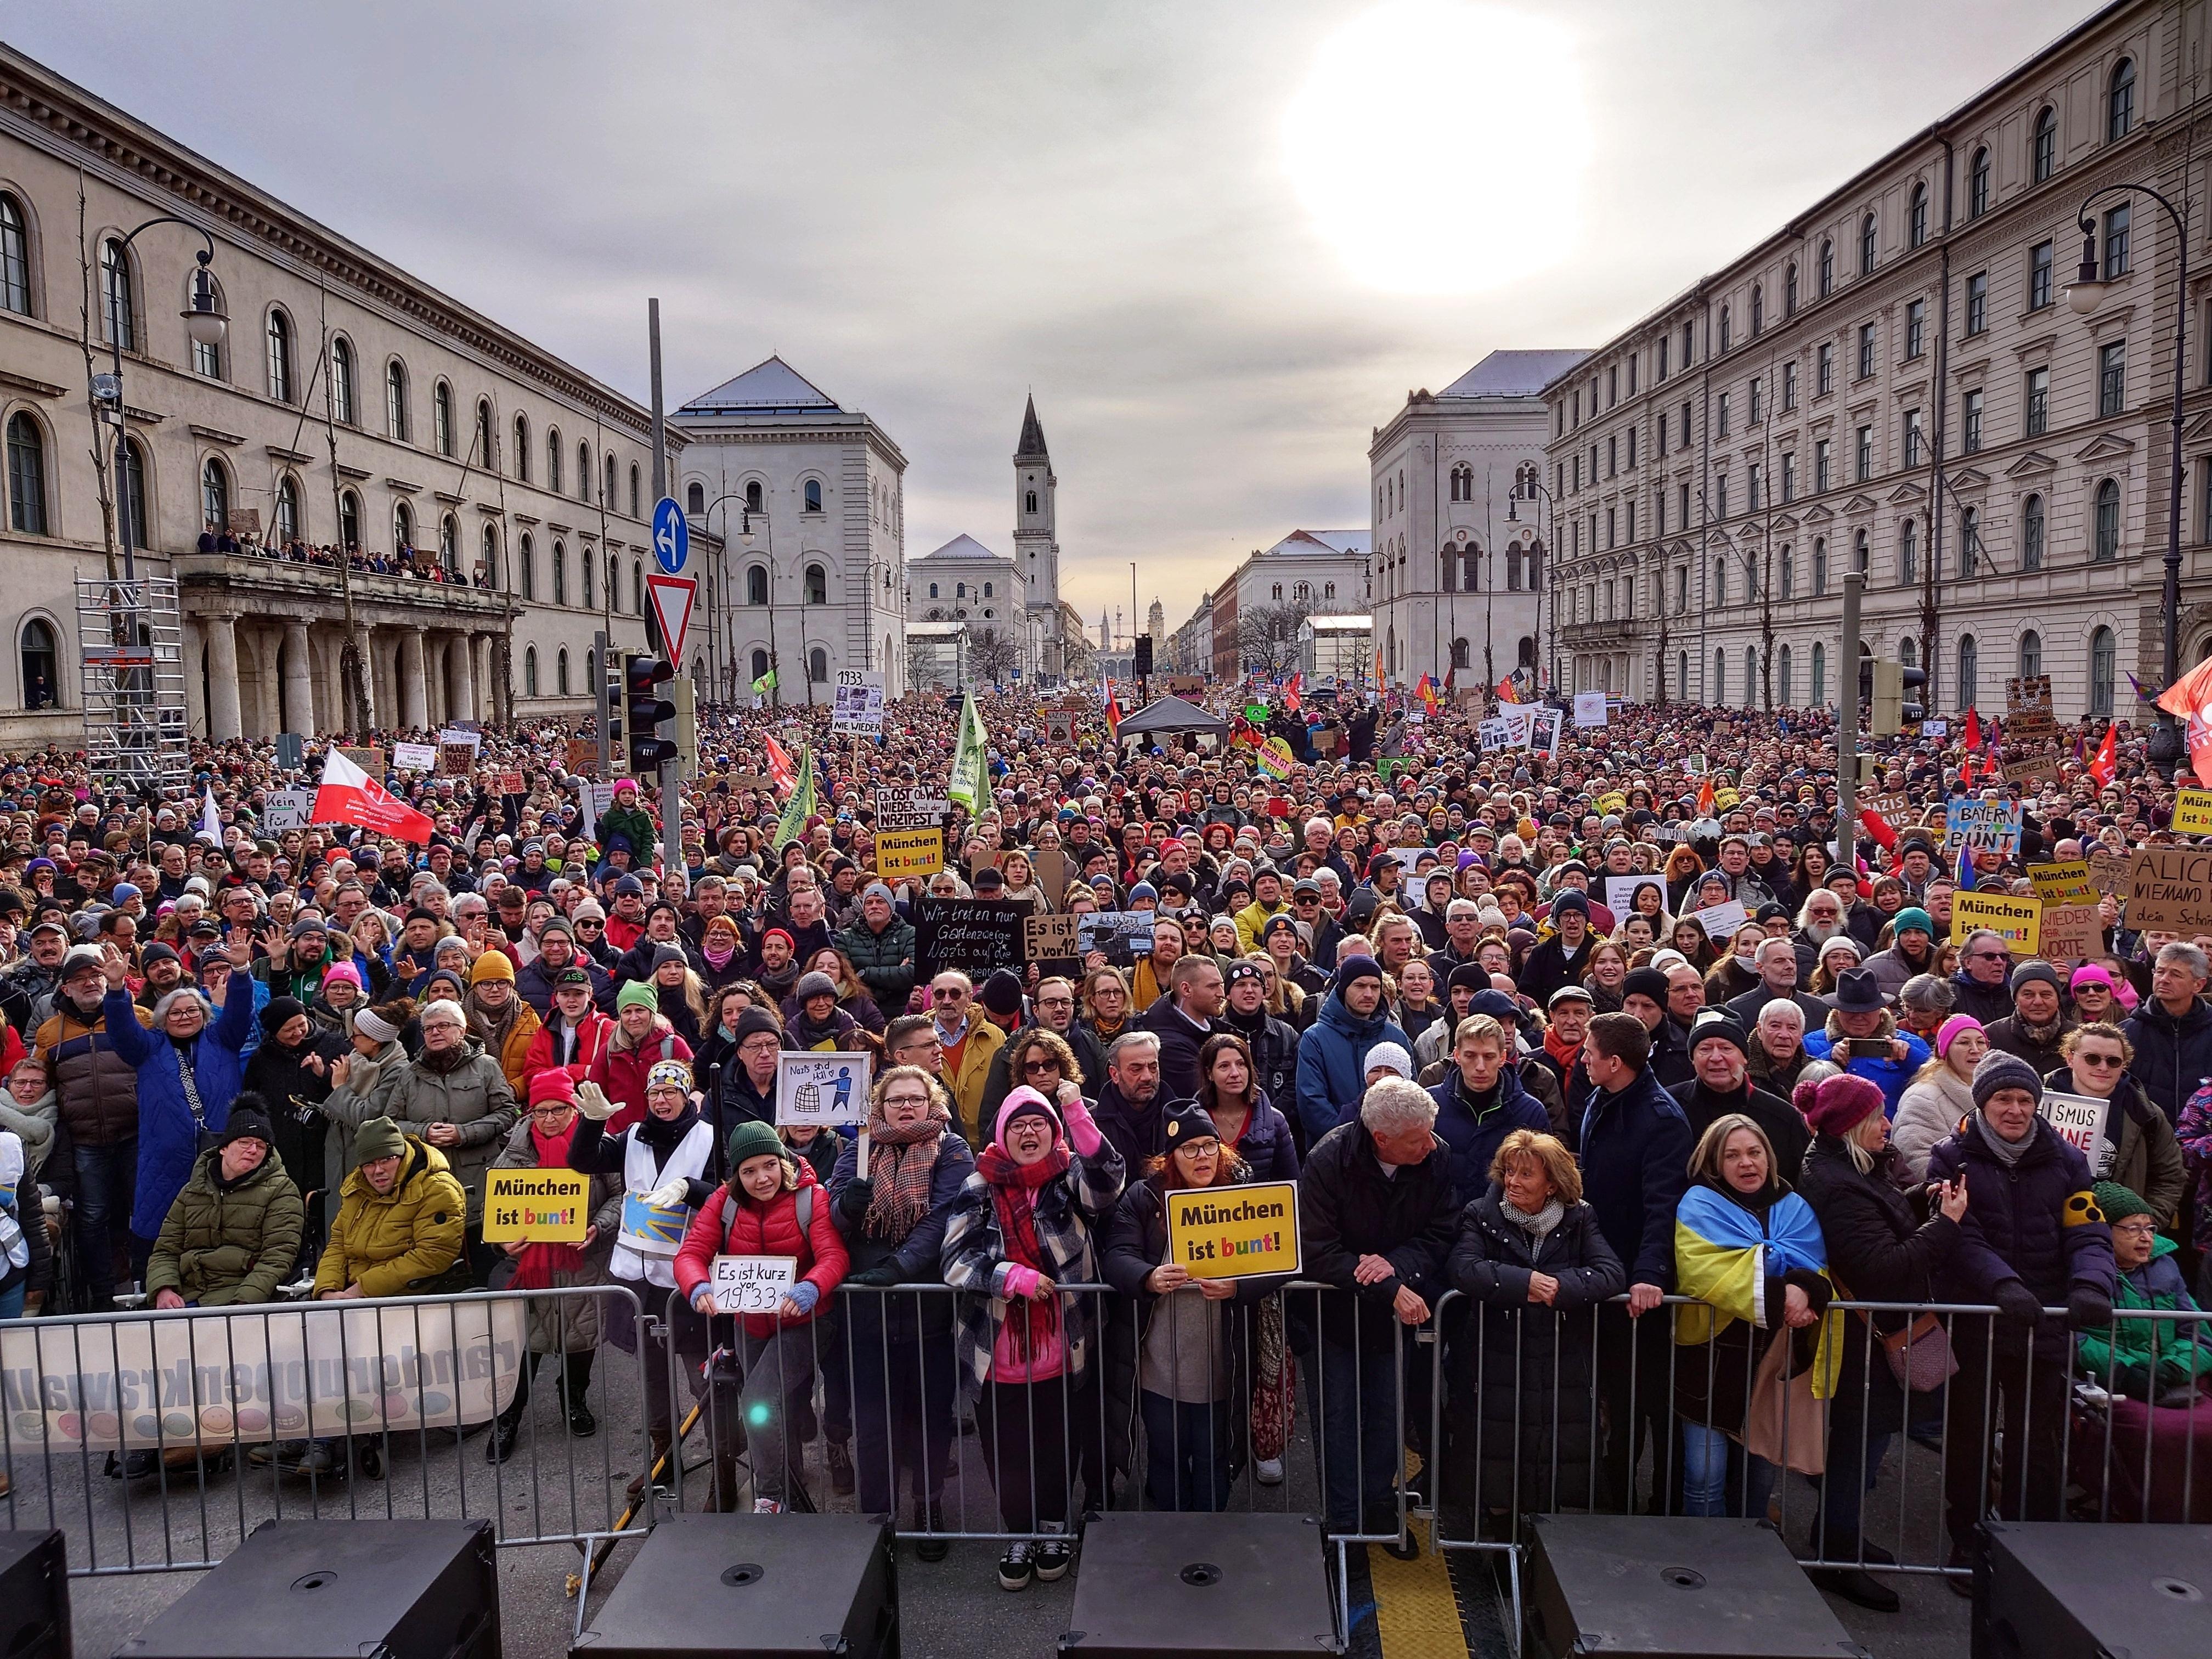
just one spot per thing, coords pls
(403, 526)
(1969, 671)
(561, 672)
(933, 590)
(15, 257)
(2103, 658)
(1724, 328)
(583, 471)
(1789, 290)
(637, 586)
(2120, 102)
(812, 502)
(610, 498)
(2031, 533)
(1789, 577)
(1978, 184)
(1970, 543)
(2031, 654)
(1029, 501)
(592, 680)
(26, 476)
(527, 557)
(1908, 652)
(1782, 687)
(115, 293)
(1820, 566)
(349, 520)
(694, 499)
(756, 585)
(1446, 576)
(986, 590)
(530, 672)
(553, 458)
(1827, 267)
(442, 418)
(1915, 217)
(1460, 654)
(2106, 545)
(759, 664)
(134, 492)
(636, 503)
(288, 509)
(491, 557)
(280, 357)
(1720, 677)
(1862, 554)
(36, 654)
(2043, 155)
(817, 666)
(753, 498)
(585, 565)
(482, 443)
(1512, 569)
(449, 542)
(215, 495)
(342, 406)
(817, 585)
(560, 574)
(1820, 675)
(614, 583)
(522, 448)
(1751, 686)
(1866, 245)
(395, 400)
(1908, 552)
(1758, 309)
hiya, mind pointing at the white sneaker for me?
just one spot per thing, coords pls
(766, 1506)
(1268, 1471)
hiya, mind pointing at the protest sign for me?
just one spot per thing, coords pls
(1493, 734)
(2080, 1120)
(900, 809)
(1720, 920)
(1620, 892)
(289, 809)
(1935, 728)
(2108, 871)
(2019, 919)
(751, 1283)
(1051, 868)
(857, 705)
(2028, 715)
(583, 757)
(903, 853)
(456, 760)
(1590, 708)
(977, 936)
(2072, 932)
(2042, 764)
(216, 1378)
(2171, 888)
(1123, 935)
(415, 756)
(2192, 811)
(1550, 725)
(546, 1207)
(2065, 882)
(1407, 858)
(509, 783)
(1235, 1232)
(370, 760)
(598, 799)
(1984, 825)
(818, 1086)
(653, 1229)
(1048, 945)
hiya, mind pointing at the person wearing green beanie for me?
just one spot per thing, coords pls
(377, 1139)
(752, 1139)
(1911, 950)
(636, 994)
(2158, 1362)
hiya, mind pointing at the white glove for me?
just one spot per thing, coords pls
(670, 1197)
(591, 1101)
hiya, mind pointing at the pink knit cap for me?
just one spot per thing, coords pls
(1950, 1029)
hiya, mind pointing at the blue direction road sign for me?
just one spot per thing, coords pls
(672, 535)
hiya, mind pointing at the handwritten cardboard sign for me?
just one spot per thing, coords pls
(2108, 871)
(2079, 1120)
(2020, 921)
(825, 1088)
(751, 1283)
(370, 761)
(1050, 943)
(2072, 932)
(1235, 1232)
(900, 853)
(546, 1207)
(977, 936)
(2171, 888)
(289, 809)
(1984, 825)
(415, 756)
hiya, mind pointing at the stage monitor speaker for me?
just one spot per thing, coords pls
(2058, 1589)
(1227, 1586)
(1655, 1587)
(339, 1590)
(761, 1585)
(34, 1608)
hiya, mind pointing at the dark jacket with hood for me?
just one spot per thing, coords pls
(1348, 1208)
(1783, 1124)
(1472, 1126)
(1332, 1064)
(914, 1260)
(2173, 1057)
(1636, 1149)
(1987, 1003)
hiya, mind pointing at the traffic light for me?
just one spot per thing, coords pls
(642, 678)
(683, 692)
(1144, 665)
(611, 712)
(1888, 707)
(1911, 682)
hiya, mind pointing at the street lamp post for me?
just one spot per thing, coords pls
(2083, 295)
(720, 628)
(1527, 486)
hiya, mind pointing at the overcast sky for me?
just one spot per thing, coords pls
(1219, 241)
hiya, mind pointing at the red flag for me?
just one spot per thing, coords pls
(349, 795)
(1290, 699)
(1966, 770)
(2106, 765)
(1972, 736)
(1505, 690)
(1114, 715)
(2188, 696)
(1705, 796)
(782, 773)
(2198, 736)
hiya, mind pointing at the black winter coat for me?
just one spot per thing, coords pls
(1785, 1125)
(875, 1317)
(294, 1093)
(2173, 1057)
(1636, 1166)
(1348, 1208)
(1274, 1046)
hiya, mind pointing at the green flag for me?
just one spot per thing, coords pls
(970, 783)
(764, 684)
(792, 826)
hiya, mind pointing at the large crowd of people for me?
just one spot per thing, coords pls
(1650, 1132)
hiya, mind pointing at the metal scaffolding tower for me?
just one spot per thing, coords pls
(132, 681)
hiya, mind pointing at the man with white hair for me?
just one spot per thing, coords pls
(1376, 1221)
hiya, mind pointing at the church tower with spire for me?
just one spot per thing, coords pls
(1036, 553)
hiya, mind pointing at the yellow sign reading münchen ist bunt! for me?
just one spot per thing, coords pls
(1235, 1232)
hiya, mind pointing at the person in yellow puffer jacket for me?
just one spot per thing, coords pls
(402, 1217)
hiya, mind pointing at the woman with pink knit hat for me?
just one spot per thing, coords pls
(1940, 1095)
(1022, 1227)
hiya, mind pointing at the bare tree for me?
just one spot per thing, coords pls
(100, 451)
(920, 664)
(992, 656)
(1267, 635)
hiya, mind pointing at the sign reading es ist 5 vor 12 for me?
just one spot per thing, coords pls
(1235, 1232)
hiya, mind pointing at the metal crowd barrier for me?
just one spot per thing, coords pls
(157, 1440)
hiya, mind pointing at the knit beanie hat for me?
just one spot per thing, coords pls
(636, 994)
(1002, 993)
(344, 970)
(666, 1073)
(2000, 1070)
(1355, 968)
(753, 1139)
(1186, 1121)
(1950, 1029)
(752, 1021)
(1388, 1056)
(378, 1137)
(2118, 1203)
(812, 985)
(1646, 982)
(279, 1012)
(2092, 973)
(1912, 919)
(367, 1023)
(1021, 1102)
(552, 1084)
(1836, 1105)
(1714, 1023)
(492, 964)
(2034, 970)
(247, 1122)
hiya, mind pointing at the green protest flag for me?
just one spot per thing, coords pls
(970, 783)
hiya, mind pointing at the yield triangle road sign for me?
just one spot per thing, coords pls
(671, 599)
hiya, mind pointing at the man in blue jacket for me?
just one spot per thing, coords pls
(1332, 1055)
(1636, 1165)
(1480, 1103)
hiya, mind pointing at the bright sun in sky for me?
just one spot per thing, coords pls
(1439, 146)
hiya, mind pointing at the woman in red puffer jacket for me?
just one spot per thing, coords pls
(770, 1207)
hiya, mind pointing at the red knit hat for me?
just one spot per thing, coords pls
(1837, 1105)
(550, 1084)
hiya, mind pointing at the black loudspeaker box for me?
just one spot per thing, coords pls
(1227, 1586)
(1654, 1587)
(2054, 1589)
(339, 1590)
(34, 1613)
(754, 1584)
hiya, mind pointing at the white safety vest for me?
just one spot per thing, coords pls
(646, 1246)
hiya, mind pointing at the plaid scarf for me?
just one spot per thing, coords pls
(903, 1163)
(1013, 1196)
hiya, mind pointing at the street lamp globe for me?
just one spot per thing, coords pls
(2086, 291)
(205, 321)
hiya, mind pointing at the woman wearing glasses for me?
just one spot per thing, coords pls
(2138, 1147)
(1940, 1095)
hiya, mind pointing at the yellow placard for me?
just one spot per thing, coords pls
(2067, 882)
(903, 853)
(1235, 1232)
(2019, 920)
(546, 1207)
(2192, 811)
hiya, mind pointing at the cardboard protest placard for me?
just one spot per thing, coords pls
(2192, 811)
(900, 853)
(546, 1207)
(1235, 1232)
(1720, 920)
(583, 757)
(2043, 764)
(509, 783)
(1620, 892)
(1053, 874)
(2080, 1120)
(751, 1283)
(1590, 708)
(2064, 882)
(2028, 708)
(415, 756)
(2019, 919)
(1984, 825)
(2072, 932)
(977, 936)
(456, 760)
(597, 797)
(1123, 935)
(826, 1087)
(289, 809)
(2171, 888)
(2108, 871)
(1048, 943)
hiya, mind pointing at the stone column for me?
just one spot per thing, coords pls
(299, 680)
(224, 720)
(461, 677)
(414, 679)
(268, 716)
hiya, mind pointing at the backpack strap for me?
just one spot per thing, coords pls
(802, 1206)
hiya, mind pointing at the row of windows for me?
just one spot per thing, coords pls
(2104, 662)
(695, 497)
(1459, 568)
(818, 671)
